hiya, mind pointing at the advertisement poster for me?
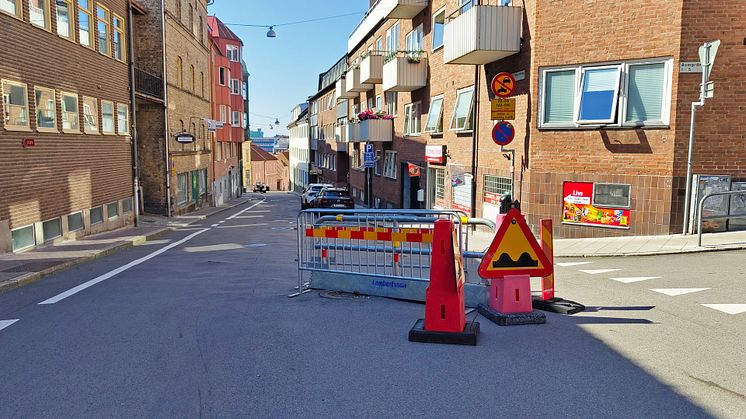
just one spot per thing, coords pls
(579, 209)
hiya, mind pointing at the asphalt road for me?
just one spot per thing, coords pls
(204, 328)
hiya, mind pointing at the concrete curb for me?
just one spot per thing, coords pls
(703, 249)
(32, 277)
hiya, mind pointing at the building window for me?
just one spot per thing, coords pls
(630, 94)
(190, 16)
(97, 215)
(178, 10)
(15, 105)
(38, 11)
(392, 39)
(85, 23)
(223, 115)
(112, 210)
(12, 7)
(70, 119)
(103, 30)
(412, 119)
(236, 119)
(90, 115)
(193, 79)
(235, 86)
(123, 119)
(391, 99)
(389, 164)
(611, 195)
(413, 42)
(462, 111)
(119, 39)
(51, 229)
(23, 238)
(65, 22)
(221, 76)
(181, 193)
(233, 53)
(439, 25)
(201, 30)
(379, 163)
(46, 109)
(466, 5)
(202, 83)
(107, 117)
(440, 184)
(126, 205)
(75, 221)
(434, 122)
(180, 72)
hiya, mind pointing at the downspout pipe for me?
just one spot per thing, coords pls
(475, 143)
(133, 114)
(165, 111)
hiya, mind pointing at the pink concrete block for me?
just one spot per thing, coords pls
(511, 294)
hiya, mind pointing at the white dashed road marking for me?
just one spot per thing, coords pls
(244, 225)
(630, 280)
(598, 271)
(566, 264)
(728, 308)
(251, 216)
(673, 292)
(214, 225)
(6, 323)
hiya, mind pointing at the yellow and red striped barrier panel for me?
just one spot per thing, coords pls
(404, 235)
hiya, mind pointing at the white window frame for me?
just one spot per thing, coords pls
(440, 11)
(222, 76)
(233, 53)
(391, 105)
(223, 115)
(469, 114)
(412, 118)
(235, 86)
(389, 164)
(622, 96)
(580, 89)
(123, 128)
(439, 116)
(235, 119)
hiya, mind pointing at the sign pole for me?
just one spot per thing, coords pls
(695, 105)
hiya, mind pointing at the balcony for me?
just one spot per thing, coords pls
(405, 71)
(371, 68)
(353, 81)
(148, 84)
(482, 34)
(341, 133)
(380, 11)
(370, 130)
(341, 90)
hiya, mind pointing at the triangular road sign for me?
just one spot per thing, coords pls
(514, 251)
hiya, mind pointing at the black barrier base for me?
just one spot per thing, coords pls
(558, 305)
(512, 319)
(468, 337)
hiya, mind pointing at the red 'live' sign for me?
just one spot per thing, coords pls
(28, 142)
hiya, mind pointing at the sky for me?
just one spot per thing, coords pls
(284, 70)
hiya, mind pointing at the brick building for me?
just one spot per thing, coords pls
(173, 104)
(65, 144)
(228, 100)
(269, 169)
(602, 108)
(329, 159)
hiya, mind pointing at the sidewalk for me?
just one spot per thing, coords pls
(19, 269)
(632, 245)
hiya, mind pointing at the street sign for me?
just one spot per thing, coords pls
(369, 159)
(368, 148)
(503, 84)
(185, 138)
(514, 251)
(503, 133)
(690, 67)
(503, 109)
(707, 53)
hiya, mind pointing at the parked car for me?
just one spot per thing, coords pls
(309, 194)
(334, 198)
(260, 187)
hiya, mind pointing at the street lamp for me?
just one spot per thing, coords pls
(271, 33)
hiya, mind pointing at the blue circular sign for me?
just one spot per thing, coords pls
(503, 133)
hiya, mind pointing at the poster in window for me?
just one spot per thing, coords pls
(579, 208)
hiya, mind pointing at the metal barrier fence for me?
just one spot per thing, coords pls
(376, 243)
(701, 206)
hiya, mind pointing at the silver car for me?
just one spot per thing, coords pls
(310, 193)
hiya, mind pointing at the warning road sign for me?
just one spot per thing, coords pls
(514, 251)
(503, 109)
(503, 84)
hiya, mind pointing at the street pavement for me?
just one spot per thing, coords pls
(198, 324)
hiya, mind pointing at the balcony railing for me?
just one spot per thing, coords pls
(353, 81)
(405, 71)
(370, 130)
(479, 34)
(382, 10)
(148, 84)
(341, 90)
(341, 133)
(371, 68)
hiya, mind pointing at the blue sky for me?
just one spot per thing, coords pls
(284, 70)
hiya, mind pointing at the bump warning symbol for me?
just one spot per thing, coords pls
(514, 251)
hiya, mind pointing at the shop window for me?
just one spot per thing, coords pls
(107, 117)
(46, 109)
(434, 122)
(440, 184)
(70, 119)
(182, 185)
(412, 119)
(462, 111)
(123, 119)
(15, 105)
(85, 23)
(389, 164)
(90, 115)
(611, 195)
(23, 238)
(498, 184)
(51, 229)
(97, 215)
(39, 13)
(103, 30)
(75, 221)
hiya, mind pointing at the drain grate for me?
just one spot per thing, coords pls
(339, 295)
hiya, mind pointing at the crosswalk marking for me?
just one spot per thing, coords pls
(728, 308)
(598, 271)
(674, 292)
(630, 280)
(6, 323)
(566, 264)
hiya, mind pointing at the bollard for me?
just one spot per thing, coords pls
(547, 245)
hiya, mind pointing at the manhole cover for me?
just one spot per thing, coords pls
(339, 295)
